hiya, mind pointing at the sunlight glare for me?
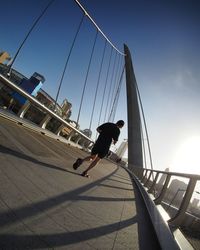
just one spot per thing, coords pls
(187, 158)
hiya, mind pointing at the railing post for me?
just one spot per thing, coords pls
(85, 143)
(44, 121)
(177, 219)
(150, 190)
(88, 145)
(59, 129)
(23, 109)
(163, 191)
(144, 175)
(148, 179)
(71, 134)
(78, 139)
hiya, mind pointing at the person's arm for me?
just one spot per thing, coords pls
(99, 130)
(101, 127)
(114, 142)
(115, 137)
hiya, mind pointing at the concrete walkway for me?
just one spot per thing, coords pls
(45, 204)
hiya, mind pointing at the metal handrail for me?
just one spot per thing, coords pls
(193, 178)
(161, 227)
(34, 101)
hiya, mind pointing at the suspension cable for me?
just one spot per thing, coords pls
(66, 63)
(27, 35)
(115, 102)
(143, 145)
(97, 27)
(105, 86)
(115, 83)
(83, 92)
(109, 93)
(145, 126)
(119, 80)
(97, 87)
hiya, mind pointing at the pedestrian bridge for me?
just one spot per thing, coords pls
(45, 204)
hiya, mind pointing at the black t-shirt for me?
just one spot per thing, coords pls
(109, 132)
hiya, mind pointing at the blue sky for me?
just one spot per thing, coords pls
(163, 37)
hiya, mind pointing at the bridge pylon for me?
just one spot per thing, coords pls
(135, 156)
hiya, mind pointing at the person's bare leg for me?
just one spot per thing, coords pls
(93, 164)
(89, 158)
(79, 161)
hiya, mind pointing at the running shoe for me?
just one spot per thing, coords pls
(77, 163)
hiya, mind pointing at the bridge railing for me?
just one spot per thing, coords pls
(149, 179)
(49, 114)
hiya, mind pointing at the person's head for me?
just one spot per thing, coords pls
(120, 123)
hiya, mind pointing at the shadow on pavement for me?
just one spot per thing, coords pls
(39, 207)
(146, 236)
(61, 239)
(23, 156)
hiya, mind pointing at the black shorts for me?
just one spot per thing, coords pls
(100, 150)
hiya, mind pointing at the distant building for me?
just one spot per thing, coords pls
(87, 132)
(162, 179)
(74, 124)
(4, 56)
(122, 148)
(175, 191)
(11, 98)
(45, 99)
(195, 203)
(15, 77)
(31, 86)
(66, 109)
(81, 141)
(14, 101)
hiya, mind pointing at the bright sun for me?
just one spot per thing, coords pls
(187, 158)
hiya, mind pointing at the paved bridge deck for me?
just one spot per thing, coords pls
(45, 204)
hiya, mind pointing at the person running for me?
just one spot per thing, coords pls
(108, 133)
